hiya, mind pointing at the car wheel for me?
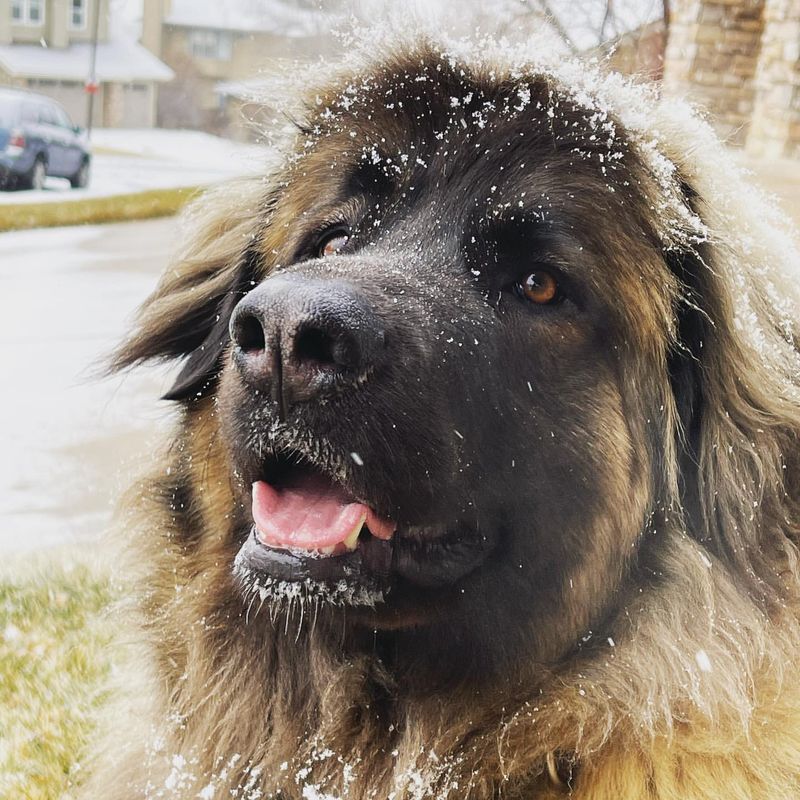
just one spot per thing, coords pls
(80, 180)
(37, 175)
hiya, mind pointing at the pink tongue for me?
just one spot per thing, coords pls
(311, 515)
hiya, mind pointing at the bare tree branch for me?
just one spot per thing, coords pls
(606, 18)
(555, 23)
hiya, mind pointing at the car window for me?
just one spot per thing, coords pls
(47, 115)
(30, 112)
(62, 118)
(9, 112)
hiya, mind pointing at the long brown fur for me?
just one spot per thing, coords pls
(693, 696)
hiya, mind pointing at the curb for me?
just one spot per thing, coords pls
(95, 210)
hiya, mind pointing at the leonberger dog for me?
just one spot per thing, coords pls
(485, 477)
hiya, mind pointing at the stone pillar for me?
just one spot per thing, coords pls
(5, 23)
(56, 21)
(113, 100)
(153, 12)
(711, 58)
(775, 130)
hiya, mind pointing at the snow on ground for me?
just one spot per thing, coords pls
(184, 147)
(72, 442)
(128, 161)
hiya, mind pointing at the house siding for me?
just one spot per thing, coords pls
(192, 101)
(116, 104)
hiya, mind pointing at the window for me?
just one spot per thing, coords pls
(30, 113)
(47, 115)
(27, 12)
(62, 118)
(10, 110)
(210, 44)
(77, 15)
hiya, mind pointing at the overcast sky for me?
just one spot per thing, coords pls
(581, 18)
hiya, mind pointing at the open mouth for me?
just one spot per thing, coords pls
(309, 530)
(311, 514)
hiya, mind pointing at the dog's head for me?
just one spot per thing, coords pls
(469, 362)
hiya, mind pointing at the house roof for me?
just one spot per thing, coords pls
(253, 89)
(265, 16)
(118, 60)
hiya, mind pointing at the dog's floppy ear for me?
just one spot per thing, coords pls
(685, 356)
(735, 376)
(693, 333)
(210, 318)
(187, 315)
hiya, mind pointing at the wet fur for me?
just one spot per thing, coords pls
(608, 688)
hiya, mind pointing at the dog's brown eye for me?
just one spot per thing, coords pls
(332, 243)
(540, 287)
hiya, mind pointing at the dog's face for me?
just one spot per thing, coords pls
(448, 369)
(431, 402)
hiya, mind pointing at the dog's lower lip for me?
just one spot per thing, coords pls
(442, 560)
(430, 563)
(371, 559)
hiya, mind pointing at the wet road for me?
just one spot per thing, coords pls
(70, 441)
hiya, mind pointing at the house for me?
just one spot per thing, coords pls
(215, 44)
(246, 109)
(46, 46)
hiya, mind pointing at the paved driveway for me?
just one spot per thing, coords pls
(68, 439)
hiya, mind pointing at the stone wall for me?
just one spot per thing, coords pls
(740, 60)
(712, 56)
(775, 126)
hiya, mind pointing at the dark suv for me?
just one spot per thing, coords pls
(37, 138)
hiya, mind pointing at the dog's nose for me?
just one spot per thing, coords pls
(301, 338)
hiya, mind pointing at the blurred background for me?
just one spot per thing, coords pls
(196, 63)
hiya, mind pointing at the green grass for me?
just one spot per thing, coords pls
(54, 659)
(140, 205)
